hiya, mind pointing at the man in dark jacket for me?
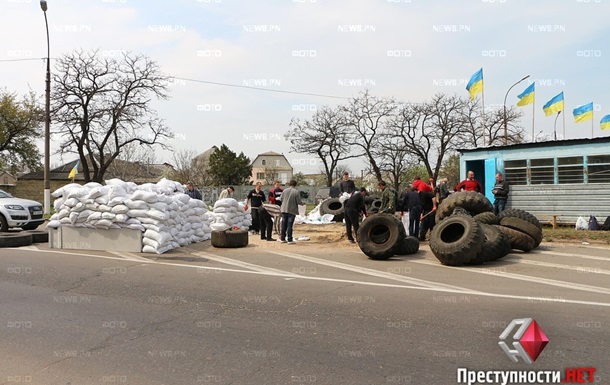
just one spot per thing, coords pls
(347, 185)
(412, 202)
(428, 201)
(192, 191)
(353, 207)
(500, 192)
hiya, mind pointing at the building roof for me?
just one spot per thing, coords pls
(533, 145)
(269, 153)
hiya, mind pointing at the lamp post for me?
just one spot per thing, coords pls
(505, 123)
(47, 120)
(555, 126)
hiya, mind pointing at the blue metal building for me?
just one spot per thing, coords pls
(565, 178)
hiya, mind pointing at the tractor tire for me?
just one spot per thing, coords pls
(496, 246)
(460, 211)
(457, 240)
(230, 238)
(523, 226)
(471, 201)
(407, 246)
(518, 240)
(39, 236)
(331, 206)
(488, 218)
(379, 235)
(516, 213)
(15, 239)
(376, 204)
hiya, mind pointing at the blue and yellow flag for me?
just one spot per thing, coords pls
(583, 113)
(605, 122)
(527, 96)
(475, 85)
(554, 105)
(74, 170)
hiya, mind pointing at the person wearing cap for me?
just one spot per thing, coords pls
(347, 185)
(192, 191)
(226, 193)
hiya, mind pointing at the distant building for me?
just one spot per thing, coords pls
(7, 179)
(270, 166)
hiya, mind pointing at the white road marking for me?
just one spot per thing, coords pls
(583, 269)
(372, 272)
(129, 256)
(364, 283)
(570, 255)
(519, 277)
(246, 265)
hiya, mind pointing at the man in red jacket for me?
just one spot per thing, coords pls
(469, 184)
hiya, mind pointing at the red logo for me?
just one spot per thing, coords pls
(529, 340)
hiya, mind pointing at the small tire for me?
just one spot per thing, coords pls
(230, 238)
(407, 246)
(473, 202)
(456, 240)
(376, 204)
(39, 236)
(496, 246)
(523, 226)
(379, 235)
(332, 206)
(3, 224)
(15, 239)
(487, 218)
(518, 240)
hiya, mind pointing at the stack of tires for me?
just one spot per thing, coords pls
(334, 207)
(469, 233)
(382, 236)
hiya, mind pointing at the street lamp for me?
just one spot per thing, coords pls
(505, 96)
(47, 120)
(555, 126)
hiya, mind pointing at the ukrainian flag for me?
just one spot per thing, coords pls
(583, 113)
(475, 85)
(74, 170)
(605, 122)
(554, 105)
(527, 96)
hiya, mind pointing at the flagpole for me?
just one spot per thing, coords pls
(483, 112)
(533, 116)
(592, 120)
(564, 121)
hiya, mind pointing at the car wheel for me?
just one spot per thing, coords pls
(3, 224)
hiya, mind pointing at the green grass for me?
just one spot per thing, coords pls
(564, 233)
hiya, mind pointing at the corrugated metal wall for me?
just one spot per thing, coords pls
(566, 201)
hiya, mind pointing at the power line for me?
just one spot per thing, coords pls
(34, 58)
(261, 89)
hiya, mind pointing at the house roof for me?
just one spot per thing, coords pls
(532, 145)
(270, 153)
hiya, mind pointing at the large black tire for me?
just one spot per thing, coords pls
(379, 234)
(456, 240)
(39, 236)
(518, 240)
(230, 238)
(331, 206)
(517, 213)
(496, 246)
(471, 201)
(460, 211)
(407, 246)
(3, 224)
(488, 218)
(523, 226)
(32, 225)
(15, 239)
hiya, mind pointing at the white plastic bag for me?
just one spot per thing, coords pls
(582, 224)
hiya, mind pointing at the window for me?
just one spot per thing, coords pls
(599, 168)
(570, 170)
(515, 172)
(277, 163)
(542, 171)
(264, 162)
(260, 175)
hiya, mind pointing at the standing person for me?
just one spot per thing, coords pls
(428, 204)
(353, 207)
(500, 192)
(291, 199)
(255, 200)
(469, 184)
(388, 199)
(226, 193)
(192, 191)
(266, 212)
(412, 201)
(442, 191)
(347, 185)
(275, 194)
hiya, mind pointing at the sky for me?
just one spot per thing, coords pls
(321, 52)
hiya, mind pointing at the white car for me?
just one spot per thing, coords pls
(16, 212)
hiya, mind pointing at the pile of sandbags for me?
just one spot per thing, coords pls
(229, 214)
(167, 217)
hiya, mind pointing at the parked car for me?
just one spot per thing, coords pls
(16, 212)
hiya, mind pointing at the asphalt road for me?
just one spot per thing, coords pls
(292, 314)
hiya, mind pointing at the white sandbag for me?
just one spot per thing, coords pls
(73, 217)
(181, 198)
(65, 221)
(226, 202)
(159, 215)
(137, 213)
(117, 191)
(92, 185)
(84, 214)
(103, 223)
(71, 202)
(219, 226)
(150, 250)
(161, 237)
(582, 224)
(77, 193)
(54, 224)
(146, 196)
(94, 216)
(121, 217)
(109, 216)
(103, 200)
(114, 182)
(63, 191)
(149, 221)
(161, 206)
(150, 242)
(103, 208)
(116, 201)
(136, 204)
(57, 204)
(119, 209)
(63, 213)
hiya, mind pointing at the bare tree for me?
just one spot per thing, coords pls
(183, 170)
(367, 116)
(103, 104)
(494, 126)
(136, 162)
(324, 136)
(395, 159)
